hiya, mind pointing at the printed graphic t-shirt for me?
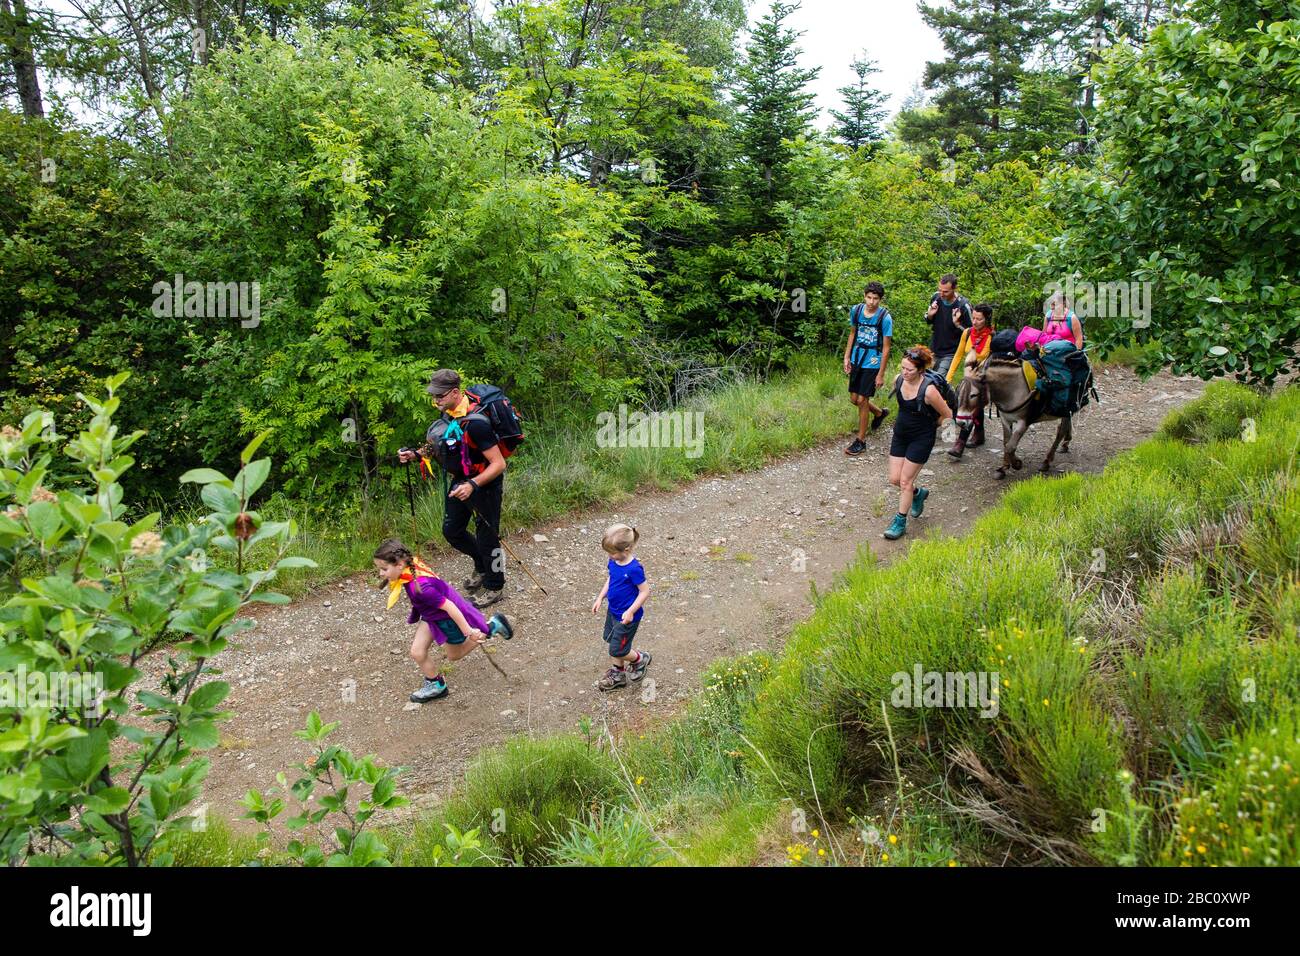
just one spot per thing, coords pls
(872, 331)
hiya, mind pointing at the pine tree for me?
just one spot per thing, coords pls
(988, 44)
(774, 107)
(860, 125)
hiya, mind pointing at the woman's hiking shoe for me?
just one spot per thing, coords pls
(614, 678)
(473, 583)
(918, 501)
(486, 597)
(638, 669)
(879, 417)
(857, 448)
(431, 689)
(500, 624)
(897, 528)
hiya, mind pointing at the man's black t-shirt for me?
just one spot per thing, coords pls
(945, 337)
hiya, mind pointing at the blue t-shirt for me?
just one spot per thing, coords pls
(872, 330)
(625, 581)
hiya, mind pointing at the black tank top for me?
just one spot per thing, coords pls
(912, 416)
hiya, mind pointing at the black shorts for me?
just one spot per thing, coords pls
(862, 381)
(619, 635)
(914, 446)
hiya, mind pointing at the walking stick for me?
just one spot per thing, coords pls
(510, 551)
(410, 497)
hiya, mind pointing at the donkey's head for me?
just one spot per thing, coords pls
(972, 395)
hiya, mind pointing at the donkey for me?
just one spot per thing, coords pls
(1001, 382)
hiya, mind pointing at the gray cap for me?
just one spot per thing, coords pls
(443, 381)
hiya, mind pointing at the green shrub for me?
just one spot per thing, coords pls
(1220, 413)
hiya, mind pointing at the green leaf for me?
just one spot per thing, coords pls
(246, 455)
(252, 477)
(108, 801)
(204, 476)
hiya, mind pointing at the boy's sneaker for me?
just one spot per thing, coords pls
(473, 583)
(431, 689)
(500, 624)
(857, 448)
(486, 597)
(614, 678)
(638, 669)
(879, 417)
(896, 529)
(918, 501)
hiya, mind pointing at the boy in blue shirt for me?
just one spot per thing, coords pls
(627, 590)
(866, 354)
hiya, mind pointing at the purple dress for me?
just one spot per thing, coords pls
(427, 595)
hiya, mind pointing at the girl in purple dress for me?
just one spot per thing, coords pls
(444, 616)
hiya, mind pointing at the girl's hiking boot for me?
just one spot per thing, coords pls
(614, 678)
(918, 501)
(499, 625)
(879, 417)
(639, 668)
(486, 597)
(897, 528)
(431, 689)
(857, 448)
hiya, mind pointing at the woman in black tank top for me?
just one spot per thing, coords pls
(921, 410)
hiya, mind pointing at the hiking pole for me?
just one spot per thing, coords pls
(510, 551)
(410, 497)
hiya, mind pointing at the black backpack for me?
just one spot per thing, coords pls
(490, 404)
(928, 378)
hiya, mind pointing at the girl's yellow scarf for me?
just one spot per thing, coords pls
(416, 568)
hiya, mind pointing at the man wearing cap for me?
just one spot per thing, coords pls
(473, 492)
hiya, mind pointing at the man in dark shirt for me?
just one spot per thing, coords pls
(949, 316)
(476, 469)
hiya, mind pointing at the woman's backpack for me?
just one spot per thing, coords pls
(931, 378)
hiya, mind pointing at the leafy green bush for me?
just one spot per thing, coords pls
(88, 598)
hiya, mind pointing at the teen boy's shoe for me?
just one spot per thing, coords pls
(614, 678)
(897, 528)
(473, 583)
(918, 501)
(486, 597)
(879, 417)
(500, 624)
(431, 689)
(857, 448)
(638, 669)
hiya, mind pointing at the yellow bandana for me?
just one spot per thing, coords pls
(417, 569)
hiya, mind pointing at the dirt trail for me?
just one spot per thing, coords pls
(720, 556)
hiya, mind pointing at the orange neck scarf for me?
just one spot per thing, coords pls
(416, 569)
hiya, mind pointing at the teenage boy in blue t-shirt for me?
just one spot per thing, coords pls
(626, 587)
(866, 355)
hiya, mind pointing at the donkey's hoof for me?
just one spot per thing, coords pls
(1000, 474)
(1017, 464)
(1065, 449)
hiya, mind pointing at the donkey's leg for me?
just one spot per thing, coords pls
(1018, 431)
(1006, 448)
(1062, 429)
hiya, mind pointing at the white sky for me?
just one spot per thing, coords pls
(836, 31)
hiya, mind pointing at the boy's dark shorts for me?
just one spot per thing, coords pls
(862, 381)
(619, 635)
(450, 632)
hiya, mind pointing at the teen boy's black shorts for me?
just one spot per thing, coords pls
(862, 381)
(619, 635)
